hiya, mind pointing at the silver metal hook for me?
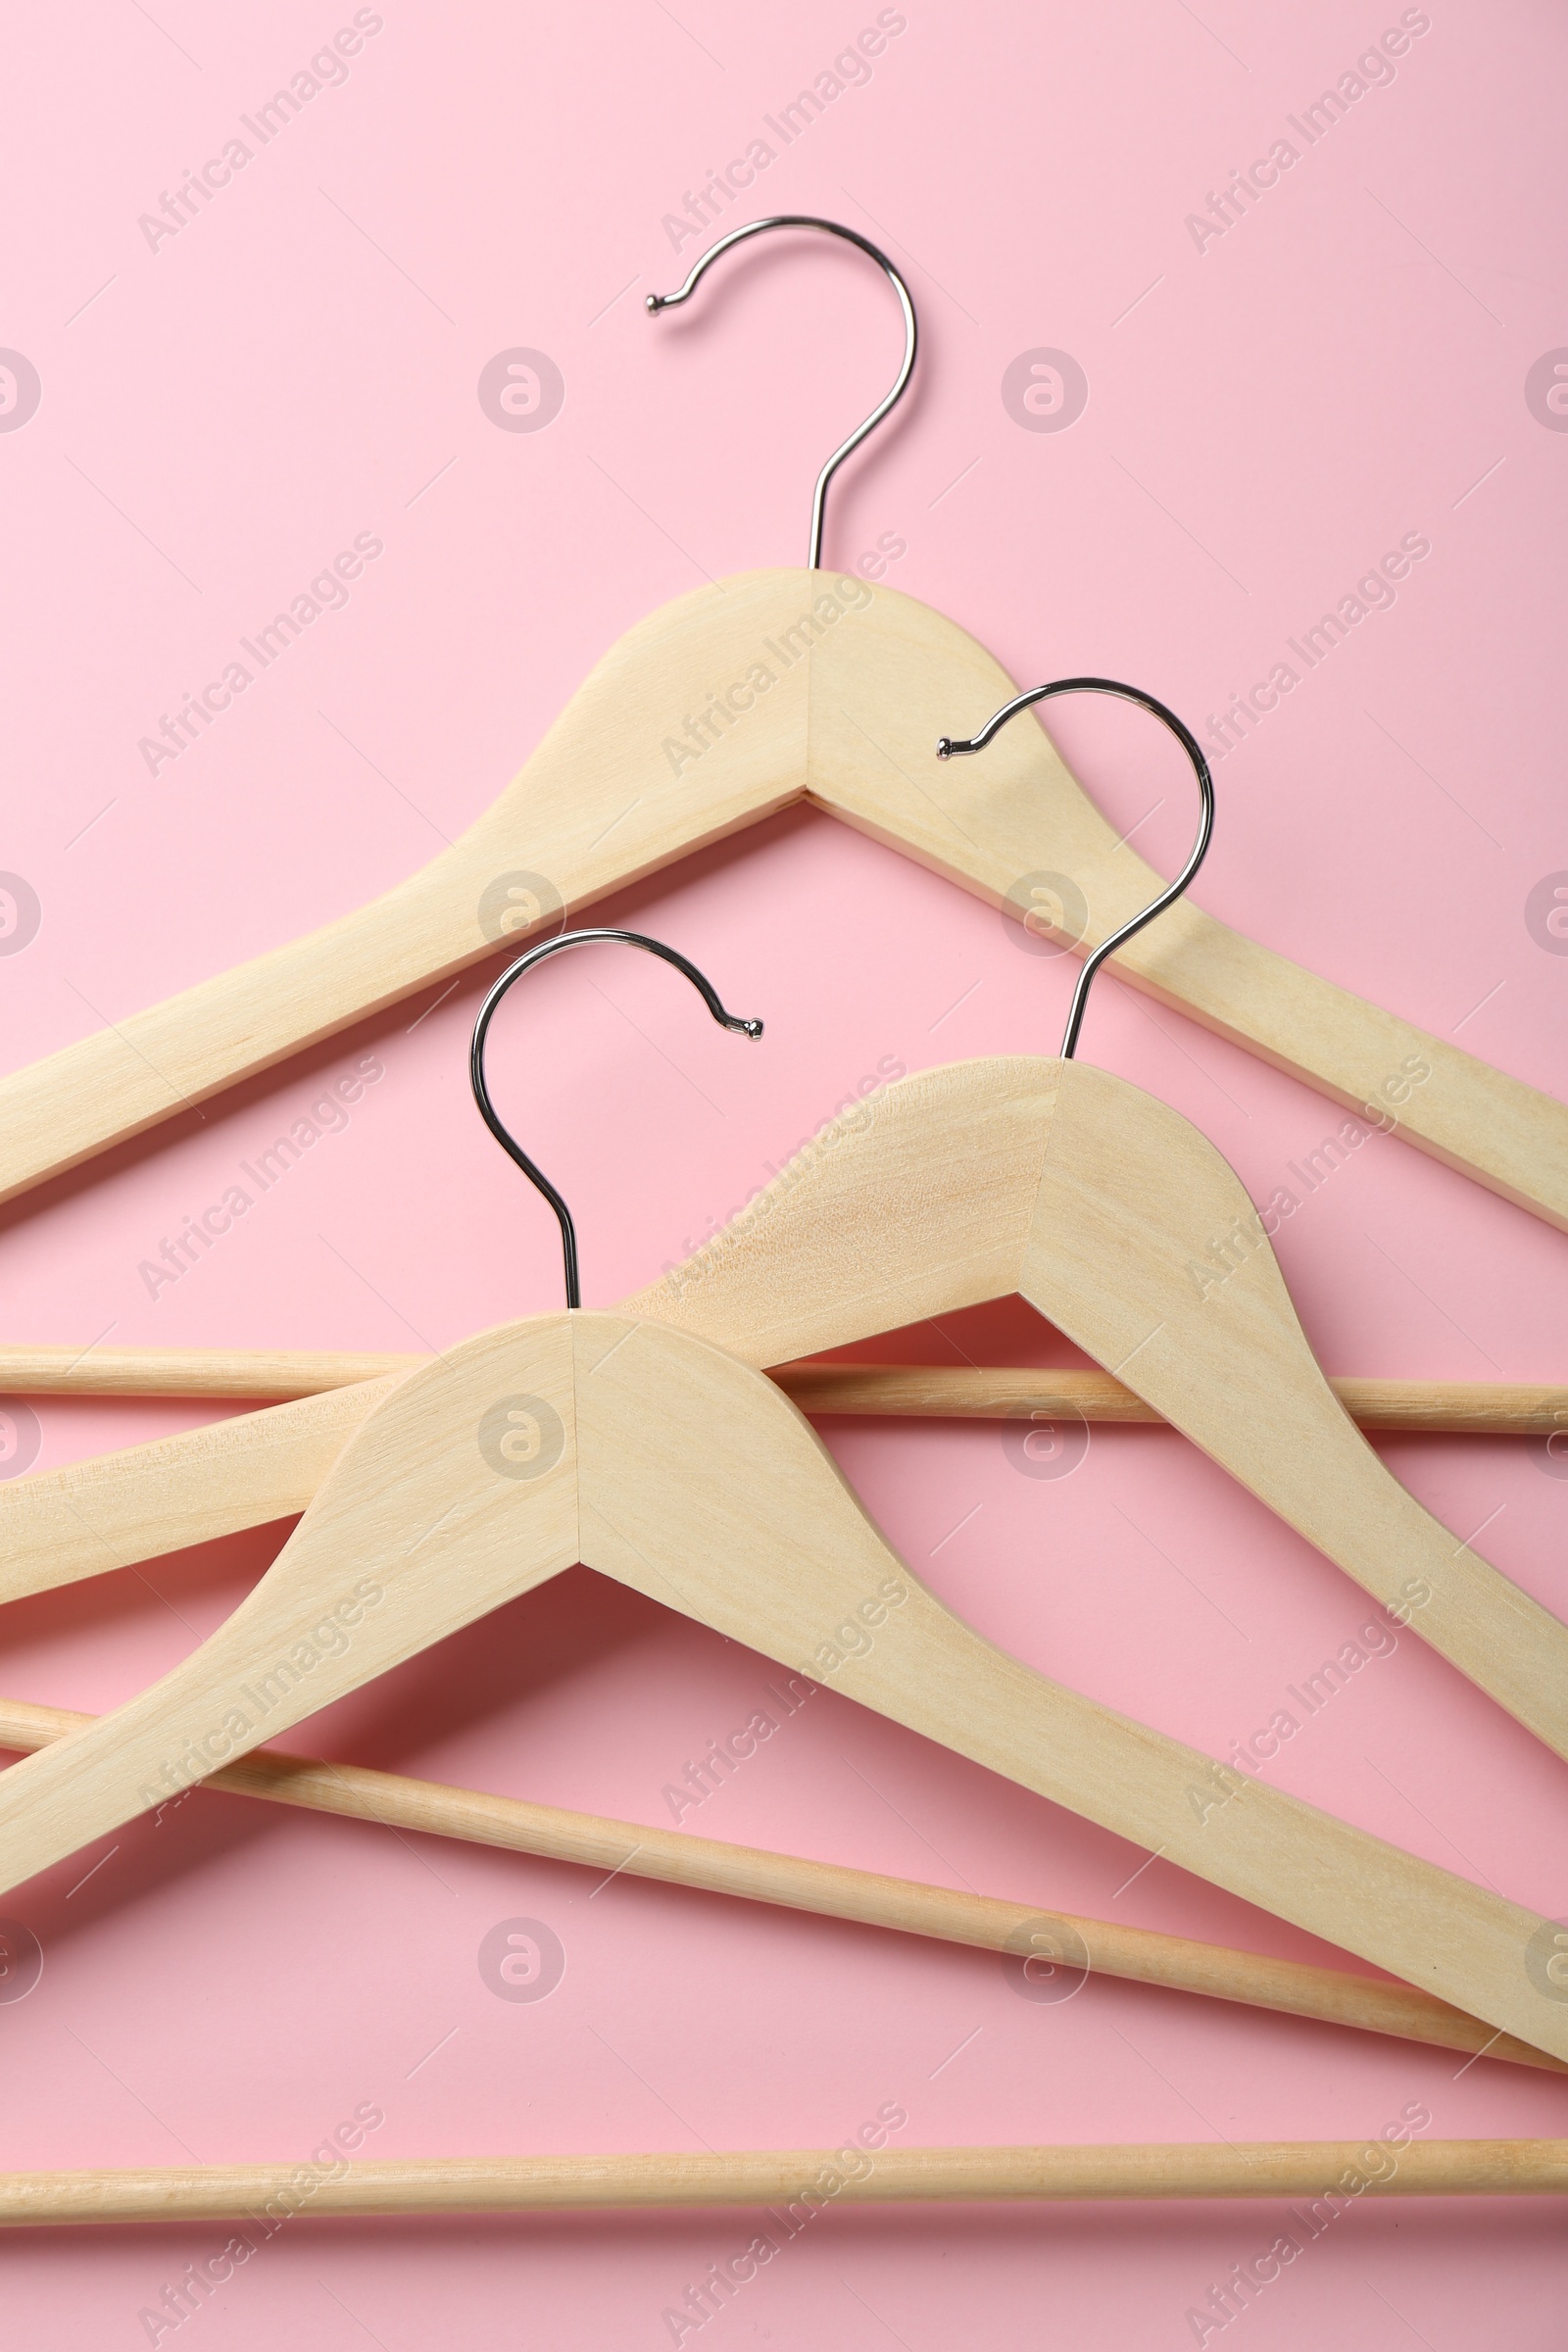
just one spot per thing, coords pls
(481, 1091)
(947, 748)
(833, 228)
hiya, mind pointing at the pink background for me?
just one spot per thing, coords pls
(298, 364)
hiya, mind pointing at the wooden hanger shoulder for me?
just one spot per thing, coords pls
(601, 802)
(685, 1473)
(88, 1517)
(1147, 1253)
(58, 1527)
(882, 693)
(1111, 1213)
(910, 1203)
(710, 715)
(766, 1543)
(458, 1493)
(1114, 1217)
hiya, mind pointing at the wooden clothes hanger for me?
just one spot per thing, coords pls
(1053, 1951)
(646, 1452)
(1093, 1201)
(1102, 1208)
(711, 713)
(88, 1518)
(657, 1460)
(1071, 1946)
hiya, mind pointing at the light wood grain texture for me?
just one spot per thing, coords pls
(113, 1509)
(58, 1526)
(960, 1233)
(1490, 1409)
(274, 1373)
(980, 1392)
(918, 1202)
(1130, 1193)
(1015, 808)
(1100, 1206)
(657, 1460)
(1119, 1221)
(411, 1534)
(753, 1486)
(792, 2185)
(1059, 1943)
(861, 682)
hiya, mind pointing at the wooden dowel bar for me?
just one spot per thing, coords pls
(984, 1922)
(802, 2179)
(1456, 1409)
(274, 1374)
(1472, 1409)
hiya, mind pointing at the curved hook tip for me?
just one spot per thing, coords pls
(959, 746)
(833, 228)
(949, 747)
(538, 953)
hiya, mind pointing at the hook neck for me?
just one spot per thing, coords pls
(949, 748)
(481, 1091)
(851, 236)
